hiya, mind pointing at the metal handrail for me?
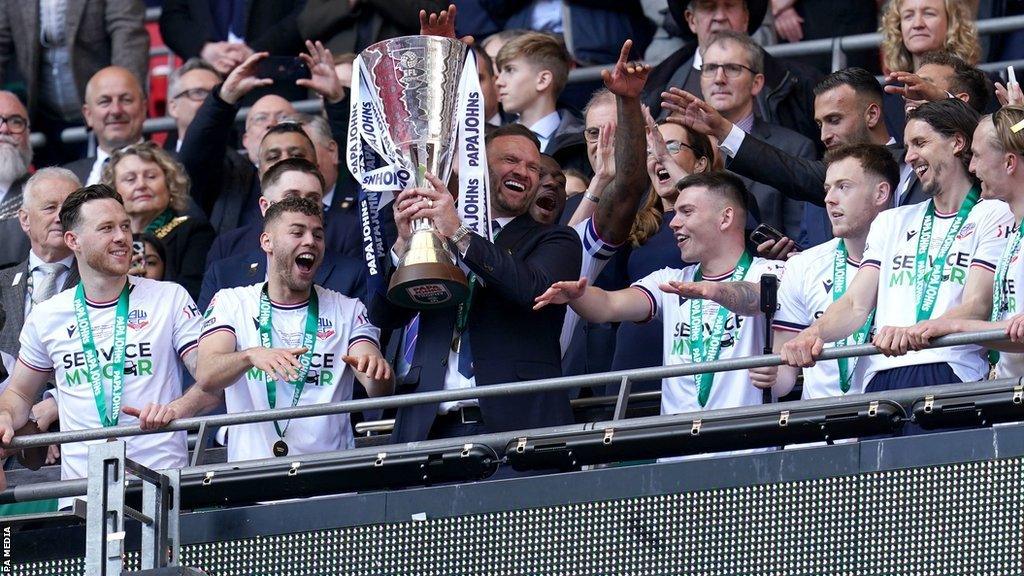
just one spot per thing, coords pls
(492, 391)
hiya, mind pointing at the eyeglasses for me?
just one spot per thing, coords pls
(193, 94)
(709, 70)
(16, 124)
(265, 119)
(674, 146)
(591, 134)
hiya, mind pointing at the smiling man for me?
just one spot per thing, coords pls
(493, 337)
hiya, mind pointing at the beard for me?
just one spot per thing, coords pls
(506, 205)
(932, 189)
(100, 261)
(285, 264)
(14, 161)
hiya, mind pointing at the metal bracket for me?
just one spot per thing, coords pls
(197, 452)
(521, 445)
(609, 433)
(1018, 394)
(466, 448)
(623, 400)
(784, 418)
(695, 428)
(104, 546)
(380, 458)
(929, 402)
(873, 408)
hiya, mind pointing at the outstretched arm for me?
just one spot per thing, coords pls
(597, 305)
(743, 298)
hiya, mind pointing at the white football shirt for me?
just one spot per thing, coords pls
(892, 248)
(342, 322)
(163, 325)
(743, 336)
(1012, 365)
(803, 296)
(596, 253)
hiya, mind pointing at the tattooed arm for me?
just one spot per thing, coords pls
(743, 298)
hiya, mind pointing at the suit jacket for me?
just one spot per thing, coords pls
(338, 24)
(99, 33)
(185, 247)
(186, 25)
(81, 167)
(510, 341)
(12, 298)
(14, 244)
(776, 208)
(339, 273)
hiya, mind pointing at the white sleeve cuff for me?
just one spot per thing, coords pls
(733, 141)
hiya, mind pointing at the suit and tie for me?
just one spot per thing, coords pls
(15, 245)
(509, 341)
(14, 287)
(339, 273)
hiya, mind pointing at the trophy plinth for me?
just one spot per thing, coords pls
(426, 278)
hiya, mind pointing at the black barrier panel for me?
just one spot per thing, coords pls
(933, 412)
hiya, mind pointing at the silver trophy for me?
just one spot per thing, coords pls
(414, 85)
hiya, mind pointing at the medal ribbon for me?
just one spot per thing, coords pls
(308, 342)
(999, 297)
(858, 337)
(927, 294)
(700, 349)
(92, 357)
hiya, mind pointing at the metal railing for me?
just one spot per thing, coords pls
(622, 377)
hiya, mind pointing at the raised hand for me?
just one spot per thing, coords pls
(323, 78)
(243, 79)
(915, 90)
(604, 160)
(561, 293)
(691, 112)
(626, 79)
(373, 365)
(1009, 95)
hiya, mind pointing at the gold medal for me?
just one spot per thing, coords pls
(280, 448)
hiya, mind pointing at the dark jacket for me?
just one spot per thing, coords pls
(510, 341)
(13, 285)
(15, 244)
(787, 98)
(594, 29)
(185, 243)
(339, 273)
(567, 145)
(186, 25)
(343, 28)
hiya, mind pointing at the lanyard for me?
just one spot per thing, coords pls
(92, 357)
(308, 342)
(698, 352)
(999, 297)
(926, 293)
(861, 335)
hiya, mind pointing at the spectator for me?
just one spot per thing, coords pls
(959, 270)
(154, 257)
(15, 159)
(187, 89)
(496, 339)
(352, 26)
(154, 188)
(911, 28)
(575, 182)
(487, 76)
(732, 75)
(495, 42)
(96, 228)
(114, 109)
(59, 47)
(533, 69)
(245, 262)
(652, 243)
(594, 33)
(225, 32)
(549, 203)
(790, 85)
(709, 227)
(800, 20)
(270, 363)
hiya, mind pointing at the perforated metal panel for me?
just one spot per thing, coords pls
(955, 519)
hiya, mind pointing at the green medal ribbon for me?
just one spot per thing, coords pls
(926, 294)
(861, 335)
(92, 357)
(700, 349)
(998, 296)
(308, 342)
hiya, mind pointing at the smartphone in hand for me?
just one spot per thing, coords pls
(282, 69)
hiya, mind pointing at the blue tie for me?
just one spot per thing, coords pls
(465, 351)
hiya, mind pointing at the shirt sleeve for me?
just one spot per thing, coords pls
(793, 314)
(874, 248)
(733, 141)
(362, 329)
(649, 287)
(218, 317)
(187, 322)
(993, 231)
(33, 352)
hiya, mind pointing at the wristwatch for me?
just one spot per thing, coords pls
(459, 234)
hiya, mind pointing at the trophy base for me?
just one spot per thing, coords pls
(428, 285)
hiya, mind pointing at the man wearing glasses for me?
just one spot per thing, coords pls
(15, 158)
(732, 76)
(188, 87)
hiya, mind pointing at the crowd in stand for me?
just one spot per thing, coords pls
(631, 219)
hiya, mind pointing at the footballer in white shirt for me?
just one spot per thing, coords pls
(998, 162)
(282, 343)
(709, 227)
(927, 261)
(112, 344)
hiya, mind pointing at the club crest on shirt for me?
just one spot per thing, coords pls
(966, 231)
(137, 319)
(325, 328)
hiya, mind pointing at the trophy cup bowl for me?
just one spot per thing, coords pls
(414, 83)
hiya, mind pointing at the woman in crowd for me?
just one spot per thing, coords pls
(154, 188)
(673, 152)
(911, 28)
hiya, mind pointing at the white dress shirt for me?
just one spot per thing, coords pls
(545, 128)
(37, 276)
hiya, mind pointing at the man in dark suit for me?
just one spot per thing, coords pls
(187, 89)
(497, 337)
(786, 99)
(15, 159)
(115, 108)
(59, 46)
(240, 258)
